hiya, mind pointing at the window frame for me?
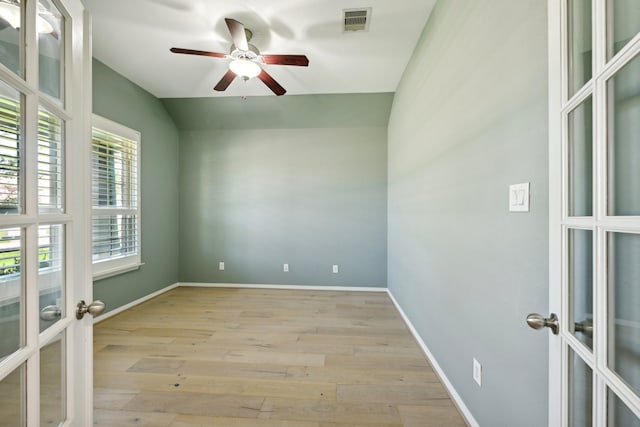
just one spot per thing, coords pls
(124, 263)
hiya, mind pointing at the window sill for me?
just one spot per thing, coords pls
(116, 271)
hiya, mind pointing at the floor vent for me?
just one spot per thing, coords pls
(357, 19)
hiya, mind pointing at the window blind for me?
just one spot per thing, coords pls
(50, 155)
(10, 151)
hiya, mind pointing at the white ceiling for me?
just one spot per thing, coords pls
(134, 36)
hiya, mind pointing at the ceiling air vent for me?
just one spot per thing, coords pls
(357, 19)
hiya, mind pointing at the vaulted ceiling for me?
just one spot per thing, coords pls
(134, 37)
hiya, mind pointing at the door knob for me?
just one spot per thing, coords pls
(537, 321)
(94, 309)
(586, 327)
(50, 312)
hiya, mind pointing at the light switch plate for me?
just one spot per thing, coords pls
(477, 372)
(519, 197)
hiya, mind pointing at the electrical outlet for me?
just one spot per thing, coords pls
(221, 265)
(285, 268)
(477, 372)
(335, 268)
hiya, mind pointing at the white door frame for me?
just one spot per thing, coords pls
(80, 336)
(555, 53)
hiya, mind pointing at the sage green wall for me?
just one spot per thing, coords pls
(309, 190)
(120, 100)
(468, 119)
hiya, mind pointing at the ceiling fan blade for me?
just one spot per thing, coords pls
(237, 33)
(299, 60)
(271, 83)
(225, 81)
(197, 52)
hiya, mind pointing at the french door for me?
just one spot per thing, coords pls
(45, 102)
(594, 152)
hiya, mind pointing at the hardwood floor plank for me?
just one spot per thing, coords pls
(196, 404)
(200, 421)
(112, 398)
(114, 418)
(138, 381)
(157, 366)
(335, 412)
(274, 358)
(260, 387)
(362, 375)
(405, 394)
(436, 414)
(208, 368)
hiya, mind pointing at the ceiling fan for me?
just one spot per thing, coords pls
(246, 59)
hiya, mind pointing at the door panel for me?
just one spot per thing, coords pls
(52, 382)
(12, 294)
(13, 399)
(624, 150)
(44, 220)
(580, 43)
(581, 285)
(624, 24)
(580, 123)
(619, 414)
(623, 345)
(594, 263)
(580, 391)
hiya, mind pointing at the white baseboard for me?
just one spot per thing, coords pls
(432, 360)
(295, 287)
(122, 308)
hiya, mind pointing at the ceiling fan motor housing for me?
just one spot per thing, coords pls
(253, 54)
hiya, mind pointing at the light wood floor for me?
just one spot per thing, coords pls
(265, 358)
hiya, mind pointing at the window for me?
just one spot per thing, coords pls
(115, 199)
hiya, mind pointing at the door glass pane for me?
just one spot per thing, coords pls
(11, 297)
(51, 273)
(50, 154)
(10, 150)
(624, 150)
(624, 300)
(581, 285)
(624, 19)
(580, 45)
(10, 24)
(52, 384)
(580, 391)
(50, 27)
(581, 160)
(12, 402)
(618, 414)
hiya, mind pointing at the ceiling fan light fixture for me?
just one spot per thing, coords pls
(10, 12)
(245, 68)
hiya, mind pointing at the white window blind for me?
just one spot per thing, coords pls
(115, 198)
(50, 155)
(10, 150)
